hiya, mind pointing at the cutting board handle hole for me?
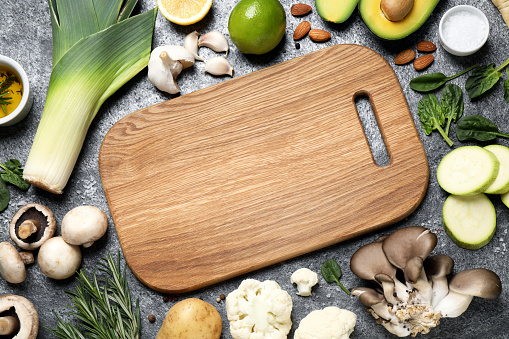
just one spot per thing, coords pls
(371, 130)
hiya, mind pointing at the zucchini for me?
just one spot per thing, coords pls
(470, 221)
(467, 170)
(505, 199)
(501, 183)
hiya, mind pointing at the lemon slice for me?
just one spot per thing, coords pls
(184, 12)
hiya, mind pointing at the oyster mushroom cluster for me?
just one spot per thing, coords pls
(416, 304)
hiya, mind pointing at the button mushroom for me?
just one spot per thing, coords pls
(31, 226)
(12, 263)
(58, 259)
(83, 225)
(19, 319)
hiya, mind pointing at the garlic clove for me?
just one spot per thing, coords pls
(165, 64)
(214, 40)
(219, 66)
(191, 44)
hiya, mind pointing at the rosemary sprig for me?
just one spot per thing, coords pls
(105, 311)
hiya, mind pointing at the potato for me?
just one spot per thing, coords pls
(191, 319)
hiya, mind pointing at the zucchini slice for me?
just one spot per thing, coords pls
(501, 183)
(467, 170)
(470, 221)
(505, 199)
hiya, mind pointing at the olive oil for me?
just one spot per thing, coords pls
(15, 91)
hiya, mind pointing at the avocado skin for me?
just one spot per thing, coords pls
(337, 11)
(375, 20)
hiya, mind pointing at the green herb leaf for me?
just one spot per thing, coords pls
(452, 104)
(5, 196)
(431, 116)
(331, 272)
(481, 80)
(430, 82)
(476, 127)
(13, 173)
(506, 87)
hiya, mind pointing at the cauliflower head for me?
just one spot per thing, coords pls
(305, 280)
(259, 310)
(329, 323)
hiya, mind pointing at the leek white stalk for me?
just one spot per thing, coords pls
(94, 54)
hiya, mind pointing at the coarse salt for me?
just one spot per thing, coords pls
(464, 31)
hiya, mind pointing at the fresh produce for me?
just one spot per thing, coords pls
(58, 259)
(219, 66)
(259, 309)
(470, 221)
(329, 323)
(184, 12)
(403, 25)
(429, 296)
(189, 319)
(506, 87)
(432, 116)
(103, 306)
(94, 54)
(31, 226)
(452, 104)
(483, 78)
(257, 26)
(11, 91)
(331, 272)
(10, 172)
(501, 183)
(503, 7)
(214, 40)
(191, 44)
(467, 170)
(476, 127)
(505, 199)
(335, 11)
(165, 64)
(83, 225)
(305, 279)
(12, 263)
(432, 81)
(23, 322)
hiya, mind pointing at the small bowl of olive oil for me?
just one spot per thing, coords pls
(15, 96)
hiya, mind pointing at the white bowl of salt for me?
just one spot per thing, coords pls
(463, 30)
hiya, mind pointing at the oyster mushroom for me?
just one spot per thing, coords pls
(31, 226)
(464, 286)
(58, 259)
(438, 267)
(165, 64)
(83, 225)
(19, 317)
(12, 263)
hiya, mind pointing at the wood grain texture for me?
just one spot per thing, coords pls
(259, 169)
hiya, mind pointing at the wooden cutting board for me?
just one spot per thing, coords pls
(259, 169)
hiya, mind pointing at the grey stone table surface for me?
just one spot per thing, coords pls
(25, 35)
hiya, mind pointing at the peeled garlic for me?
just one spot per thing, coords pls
(214, 40)
(219, 66)
(191, 44)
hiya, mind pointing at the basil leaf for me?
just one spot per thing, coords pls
(331, 272)
(5, 196)
(429, 82)
(476, 127)
(506, 87)
(452, 104)
(481, 80)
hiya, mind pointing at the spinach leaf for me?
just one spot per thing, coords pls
(482, 79)
(331, 272)
(506, 87)
(429, 82)
(452, 104)
(476, 127)
(5, 196)
(13, 173)
(431, 116)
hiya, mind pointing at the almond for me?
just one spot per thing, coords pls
(424, 61)
(300, 9)
(301, 30)
(319, 35)
(404, 57)
(426, 46)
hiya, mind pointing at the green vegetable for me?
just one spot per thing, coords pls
(482, 79)
(476, 127)
(331, 272)
(430, 82)
(105, 311)
(506, 87)
(5, 196)
(4, 90)
(432, 117)
(452, 104)
(96, 50)
(13, 172)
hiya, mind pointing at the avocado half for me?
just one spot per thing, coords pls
(378, 24)
(335, 10)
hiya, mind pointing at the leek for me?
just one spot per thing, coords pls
(97, 48)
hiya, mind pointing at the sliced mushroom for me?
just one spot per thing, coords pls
(12, 263)
(438, 267)
(58, 259)
(31, 226)
(20, 317)
(464, 286)
(83, 225)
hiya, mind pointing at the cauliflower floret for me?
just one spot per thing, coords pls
(305, 280)
(329, 323)
(259, 310)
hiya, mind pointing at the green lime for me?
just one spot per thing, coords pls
(257, 26)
